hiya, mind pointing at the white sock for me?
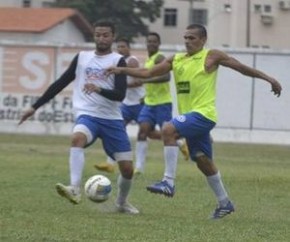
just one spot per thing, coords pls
(76, 161)
(216, 184)
(141, 153)
(171, 158)
(110, 160)
(124, 186)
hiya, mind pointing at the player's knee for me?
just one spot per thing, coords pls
(126, 169)
(78, 140)
(205, 164)
(168, 130)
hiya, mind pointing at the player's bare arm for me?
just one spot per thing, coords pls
(157, 70)
(217, 57)
(165, 77)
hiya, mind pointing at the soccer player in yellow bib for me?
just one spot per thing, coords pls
(195, 75)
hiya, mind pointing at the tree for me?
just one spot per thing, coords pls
(128, 15)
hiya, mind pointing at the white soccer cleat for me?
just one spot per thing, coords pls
(71, 193)
(127, 208)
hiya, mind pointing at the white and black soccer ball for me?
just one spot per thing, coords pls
(98, 188)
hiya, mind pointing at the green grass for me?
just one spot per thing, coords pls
(257, 178)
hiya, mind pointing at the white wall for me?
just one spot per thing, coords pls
(248, 111)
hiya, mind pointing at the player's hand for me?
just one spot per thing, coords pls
(276, 87)
(26, 115)
(113, 70)
(90, 88)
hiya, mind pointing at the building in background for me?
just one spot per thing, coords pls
(230, 23)
(26, 3)
(49, 25)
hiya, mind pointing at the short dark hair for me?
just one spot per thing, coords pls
(201, 29)
(155, 34)
(105, 23)
(125, 40)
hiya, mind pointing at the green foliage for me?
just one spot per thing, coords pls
(256, 177)
(128, 15)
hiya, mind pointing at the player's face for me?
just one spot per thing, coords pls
(104, 39)
(123, 48)
(193, 41)
(152, 44)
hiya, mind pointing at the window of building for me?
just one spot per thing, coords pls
(227, 8)
(26, 3)
(170, 17)
(199, 16)
(257, 8)
(267, 8)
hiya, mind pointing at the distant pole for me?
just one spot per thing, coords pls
(248, 24)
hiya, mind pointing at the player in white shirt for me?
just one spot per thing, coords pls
(96, 104)
(133, 101)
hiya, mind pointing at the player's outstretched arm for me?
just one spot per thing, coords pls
(223, 59)
(158, 70)
(66, 78)
(135, 72)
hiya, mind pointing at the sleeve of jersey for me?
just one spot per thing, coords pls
(65, 79)
(119, 91)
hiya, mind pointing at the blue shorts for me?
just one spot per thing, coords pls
(131, 112)
(195, 128)
(157, 114)
(112, 133)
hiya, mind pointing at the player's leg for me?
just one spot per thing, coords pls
(207, 167)
(163, 113)
(171, 132)
(146, 123)
(201, 152)
(83, 134)
(128, 113)
(166, 185)
(116, 144)
(142, 146)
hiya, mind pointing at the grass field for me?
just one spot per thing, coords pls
(257, 178)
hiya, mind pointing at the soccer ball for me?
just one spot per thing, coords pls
(98, 188)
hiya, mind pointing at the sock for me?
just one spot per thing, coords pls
(141, 153)
(170, 156)
(110, 160)
(76, 161)
(124, 186)
(216, 184)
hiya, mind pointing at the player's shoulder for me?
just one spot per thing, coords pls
(132, 57)
(215, 52)
(87, 52)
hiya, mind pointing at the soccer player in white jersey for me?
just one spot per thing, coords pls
(96, 104)
(133, 101)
